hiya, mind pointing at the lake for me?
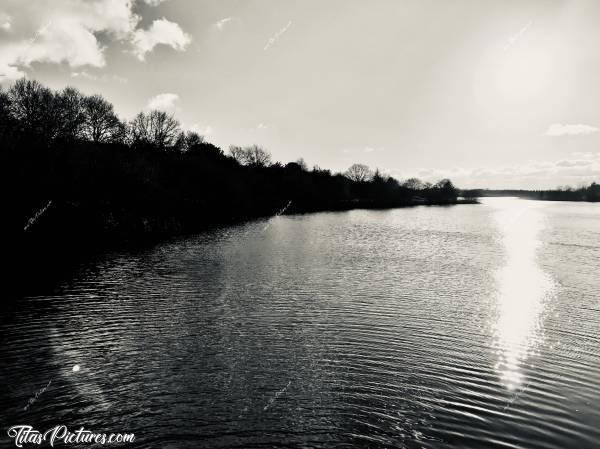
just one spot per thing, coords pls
(460, 326)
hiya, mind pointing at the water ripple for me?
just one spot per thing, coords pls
(469, 326)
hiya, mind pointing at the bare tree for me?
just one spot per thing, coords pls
(187, 141)
(138, 129)
(100, 124)
(32, 105)
(156, 128)
(5, 118)
(180, 144)
(192, 139)
(70, 111)
(254, 155)
(4, 103)
(358, 173)
(414, 184)
(378, 177)
(447, 187)
(257, 156)
(237, 153)
(164, 129)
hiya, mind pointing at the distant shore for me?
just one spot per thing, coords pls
(590, 194)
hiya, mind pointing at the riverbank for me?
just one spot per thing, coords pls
(70, 190)
(62, 234)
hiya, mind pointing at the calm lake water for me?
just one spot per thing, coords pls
(464, 326)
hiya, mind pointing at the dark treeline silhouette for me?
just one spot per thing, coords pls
(590, 193)
(75, 174)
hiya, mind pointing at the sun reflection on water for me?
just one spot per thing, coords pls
(523, 288)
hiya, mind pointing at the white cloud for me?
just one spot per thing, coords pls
(84, 74)
(163, 32)
(579, 169)
(154, 2)
(261, 126)
(221, 23)
(5, 22)
(202, 130)
(558, 129)
(277, 35)
(63, 31)
(163, 102)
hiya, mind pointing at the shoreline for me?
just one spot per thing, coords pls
(52, 247)
(589, 194)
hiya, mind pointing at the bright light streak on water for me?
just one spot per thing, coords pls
(524, 288)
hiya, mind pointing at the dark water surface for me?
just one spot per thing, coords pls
(464, 326)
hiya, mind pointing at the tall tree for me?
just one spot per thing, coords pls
(70, 112)
(138, 130)
(100, 123)
(164, 129)
(358, 173)
(5, 118)
(444, 190)
(257, 156)
(237, 153)
(33, 106)
(193, 139)
(156, 128)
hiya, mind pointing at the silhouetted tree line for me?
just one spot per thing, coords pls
(109, 179)
(590, 193)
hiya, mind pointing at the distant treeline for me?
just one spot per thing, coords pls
(98, 178)
(590, 193)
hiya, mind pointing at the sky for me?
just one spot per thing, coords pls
(499, 94)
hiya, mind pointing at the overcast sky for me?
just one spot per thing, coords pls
(488, 93)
